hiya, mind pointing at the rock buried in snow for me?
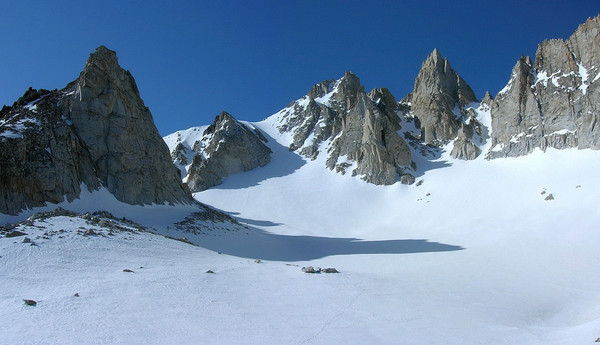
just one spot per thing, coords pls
(90, 232)
(15, 233)
(549, 197)
(407, 179)
(210, 271)
(27, 240)
(311, 269)
(308, 269)
(257, 261)
(30, 302)
(128, 270)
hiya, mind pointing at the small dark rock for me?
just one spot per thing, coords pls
(329, 270)
(210, 271)
(89, 232)
(30, 302)
(26, 240)
(420, 183)
(257, 261)
(549, 197)
(76, 294)
(15, 233)
(128, 270)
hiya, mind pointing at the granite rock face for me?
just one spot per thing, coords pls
(439, 99)
(225, 147)
(552, 102)
(357, 131)
(96, 132)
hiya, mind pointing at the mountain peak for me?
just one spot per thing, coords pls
(438, 92)
(349, 75)
(224, 116)
(103, 58)
(435, 56)
(102, 73)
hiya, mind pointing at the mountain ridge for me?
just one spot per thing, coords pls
(373, 136)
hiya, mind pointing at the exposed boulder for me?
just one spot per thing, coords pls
(96, 132)
(225, 147)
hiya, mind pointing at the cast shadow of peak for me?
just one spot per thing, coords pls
(283, 162)
(426, 157)
(252, 222)
(259, 244)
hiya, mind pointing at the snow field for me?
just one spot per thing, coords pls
(474, 255)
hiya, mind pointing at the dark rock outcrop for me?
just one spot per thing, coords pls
(226, 147)
(554, 101)
(96, 132)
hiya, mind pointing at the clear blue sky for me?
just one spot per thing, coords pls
(192, 59)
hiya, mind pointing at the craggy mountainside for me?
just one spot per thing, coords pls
(359, 130)
(554, 101)
(440, 103)
(96, 132)
(225, 147)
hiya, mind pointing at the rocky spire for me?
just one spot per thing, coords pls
(439, 96)
(96, 131)
(226, 147)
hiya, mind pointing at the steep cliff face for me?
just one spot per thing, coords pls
(554, 102)
(227, 146)
(357, 131)
(95, 132)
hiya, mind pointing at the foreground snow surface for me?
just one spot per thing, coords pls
(474, 255)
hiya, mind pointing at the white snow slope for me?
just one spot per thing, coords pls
(474, 255)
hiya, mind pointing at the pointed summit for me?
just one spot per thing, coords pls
(118, 129)
(102, 72)
(357, 128)
(103, 53)
(438, 99)
(94, 133)
(226, 147)
(435, 56)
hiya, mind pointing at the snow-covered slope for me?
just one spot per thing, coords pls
(474, 255)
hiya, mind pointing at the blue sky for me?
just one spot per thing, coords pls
(192, 59)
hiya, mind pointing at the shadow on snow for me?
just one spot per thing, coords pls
(254, 243)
